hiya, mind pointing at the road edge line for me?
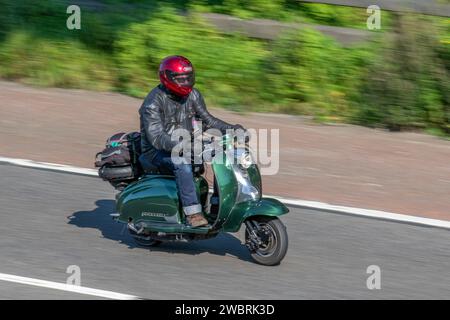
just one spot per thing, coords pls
(49, 166)
(377, 214)
(369, 213)
(67, 287)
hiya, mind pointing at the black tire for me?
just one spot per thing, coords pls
(147, 242)
(275, 249)
(144, 241)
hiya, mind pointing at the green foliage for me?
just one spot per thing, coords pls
(54, 63)
(271, 9)
(223, 65)
(408, 85)
(41, 17)
(310, 73)
(337, 15)
(400, 80)
(291, 10)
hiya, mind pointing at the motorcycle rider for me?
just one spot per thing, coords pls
(172, 105)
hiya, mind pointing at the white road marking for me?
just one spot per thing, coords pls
(293, 202)
(67, 287)
(49, 166)
(365, 212)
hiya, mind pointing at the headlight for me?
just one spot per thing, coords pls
(246, 191)
(243, 173)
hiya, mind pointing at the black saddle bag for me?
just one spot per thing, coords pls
(118, 163)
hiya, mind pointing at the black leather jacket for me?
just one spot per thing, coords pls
(161, 113)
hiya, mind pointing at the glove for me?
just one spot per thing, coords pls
(240, 127)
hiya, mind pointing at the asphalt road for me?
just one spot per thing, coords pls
(49, 221)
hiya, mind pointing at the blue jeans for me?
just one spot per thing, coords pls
(184, 178)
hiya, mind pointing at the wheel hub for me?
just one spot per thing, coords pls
(261, 241)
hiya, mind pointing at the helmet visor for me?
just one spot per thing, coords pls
(182, 79)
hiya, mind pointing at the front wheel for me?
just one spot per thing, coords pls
(267, 239)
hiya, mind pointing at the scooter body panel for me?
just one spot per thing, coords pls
(153, 202)
(233, 213)
(242, 211)
(227, 189)
(152, 198)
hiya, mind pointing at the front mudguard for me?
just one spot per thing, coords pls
(242, 211)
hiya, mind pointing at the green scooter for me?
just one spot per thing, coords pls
(151, 208)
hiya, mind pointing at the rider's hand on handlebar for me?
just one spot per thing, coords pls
(247, 134)
(238, 126)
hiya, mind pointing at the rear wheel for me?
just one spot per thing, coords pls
(267, 239)
(140, 236)
(146, 241)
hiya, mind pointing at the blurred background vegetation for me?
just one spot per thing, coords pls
(398, 79)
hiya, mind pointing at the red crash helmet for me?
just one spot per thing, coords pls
(176, 73)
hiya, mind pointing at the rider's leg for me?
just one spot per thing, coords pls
(185, 182)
